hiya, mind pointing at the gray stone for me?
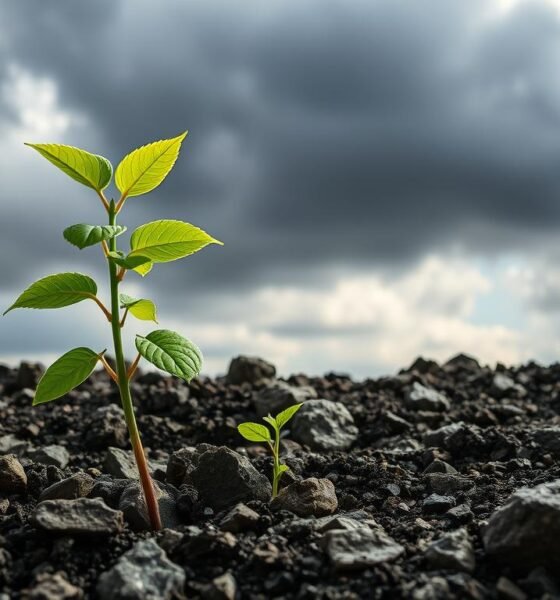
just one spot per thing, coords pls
(446, 484)
(462, 362)
(440, 466)
(107, 427)
(10, 444)
(223, 587)
(142, 573)
(223, 478)
(13, 479)
(360, 548)
(120, 463)
(453, 551)
(420, 397)
(324, 425)
(78, 485)
(133, 506)
(247, 369)
(240, 518)
(83, 516)
(507, 590)
(548, 438)
(435, 503)
(109, 489)
(340, 522)
(182, 463)
(503, 385)
(52, 587)
(525, 532)
(310, 497)
(54, 455)
(278, 396)
(29, 374)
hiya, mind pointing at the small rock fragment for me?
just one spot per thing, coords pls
(13, 479)
(310, 497)
(240, 518)
(247, 369)
(435, 503)
(420, 397)
(223, 587)
(78, 485)
(83, 516)
(280, 395)
(53, 587)
(50, 455)
(360, 548)
(107, 427)
(324, 425)
(141, 573)
(133, 506)
(453, 551)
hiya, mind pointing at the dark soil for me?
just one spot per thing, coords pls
(381, 474)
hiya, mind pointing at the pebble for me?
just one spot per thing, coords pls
(310, 497)
(133, 506)
(50, 455)
(78, 485)
(445, 484)
(144, 572)
(53, 587)
(435, 503)
(13, 479)
(83, 516)
(420, 397)
(360, 548)
(453, 551)
(240, 518)
(120, 463)
(324, 425)
(223, 587)
(248, 369)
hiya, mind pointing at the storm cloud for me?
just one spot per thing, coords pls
(327, 139)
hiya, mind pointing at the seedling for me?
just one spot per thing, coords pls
(255, 432)
(138, 173)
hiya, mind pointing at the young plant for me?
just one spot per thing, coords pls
(255, 432)
(138, 173)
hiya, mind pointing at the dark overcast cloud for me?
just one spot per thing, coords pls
(345, 133)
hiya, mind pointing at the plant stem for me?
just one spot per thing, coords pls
(124, 389)
(276, 453)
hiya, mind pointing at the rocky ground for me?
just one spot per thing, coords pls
(440, 482)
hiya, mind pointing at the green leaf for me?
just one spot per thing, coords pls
(167, 240)
(272, 422)
(170, 352)
(130, 262)
(83, 235)
(65, 374)
(86, 168)
(145, 168)
(56, 291)
(142, 309)
(282, 469)
(254, 432)
(283, 417)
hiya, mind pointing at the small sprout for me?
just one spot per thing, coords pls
(255, 432)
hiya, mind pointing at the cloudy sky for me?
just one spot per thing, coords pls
(385, 174)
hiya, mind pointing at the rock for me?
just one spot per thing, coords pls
(223, 587)
(440, 466)
(310, 497)
(360, 548)
(324, 425)
(164, 399)
(223, 478)
(133, 506)
(453, 551)
(393, 424)
(53, 587)
(462, 362)
(507, 590)
(548, 438)
(240, 518)
(525, 532)
(421, 365)
(10, 444)
(439, 436)
(502, 385)
(28, 375)
(109, 489)
(278, 396)
(50, 455)
(4, 505)
(107, 427)
(445, 484)
(247, 369)
(13, 479)
(83, 516)
(435, 503)
(460, 514)
(142, 573)
(420, 397)
(77, 486)
(180, 464)
(340, 522)
(120, 463)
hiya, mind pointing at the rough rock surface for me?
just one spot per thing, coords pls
(324, 425)
(249, 369)
(310, 497)
(278, 396)
(13, 479)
